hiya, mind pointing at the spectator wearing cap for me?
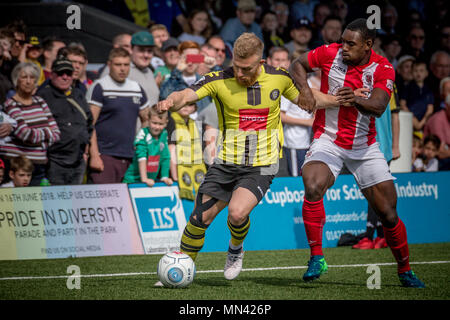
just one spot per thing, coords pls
(35, 128)
(68, 156)
(171, 56)
(142, 45)
(115, 102)
(244, 22)
(404, 73)
(301, 35)
(331, 32)
(31, 53)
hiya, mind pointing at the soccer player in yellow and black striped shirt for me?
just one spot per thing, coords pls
(247, 98)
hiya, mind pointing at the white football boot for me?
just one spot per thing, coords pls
(233, 265)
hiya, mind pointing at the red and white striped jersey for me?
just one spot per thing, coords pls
(346, 126)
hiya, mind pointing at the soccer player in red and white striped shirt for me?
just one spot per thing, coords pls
(346, 135)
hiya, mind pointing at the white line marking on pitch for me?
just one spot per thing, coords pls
(211, 271)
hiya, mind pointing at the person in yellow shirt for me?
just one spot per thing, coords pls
(247, 97)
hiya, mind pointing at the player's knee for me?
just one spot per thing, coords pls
(314, 190)
(237, 215)
(388, 214)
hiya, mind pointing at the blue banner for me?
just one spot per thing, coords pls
(277, 223)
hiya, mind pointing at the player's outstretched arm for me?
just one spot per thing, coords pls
(177, 100)
(298, 70)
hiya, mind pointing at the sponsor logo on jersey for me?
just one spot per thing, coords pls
(253, 119)
(152, 163)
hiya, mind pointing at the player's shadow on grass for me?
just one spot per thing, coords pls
(213, 282)
(298, 282)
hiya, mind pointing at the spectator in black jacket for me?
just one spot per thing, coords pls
(68, 157)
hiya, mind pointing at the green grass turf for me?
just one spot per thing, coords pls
(341, 283)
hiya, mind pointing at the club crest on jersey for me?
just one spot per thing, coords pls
(136, 99)
(390, 84)
(274, 94)
(368, 78)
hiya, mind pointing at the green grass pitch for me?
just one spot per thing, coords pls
(267, 275)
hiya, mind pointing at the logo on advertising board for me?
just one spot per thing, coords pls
(158, 215)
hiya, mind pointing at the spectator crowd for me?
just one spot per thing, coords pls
(61, 124)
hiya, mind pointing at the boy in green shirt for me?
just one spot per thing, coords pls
(152, 154)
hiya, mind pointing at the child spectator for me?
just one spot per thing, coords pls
(21, 169)
(186, 155)
(152, 156)
(418, 97)
(417, 149)
(429, 161)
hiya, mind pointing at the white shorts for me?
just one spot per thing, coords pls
(368, 165)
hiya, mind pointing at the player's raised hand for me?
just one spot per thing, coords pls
(164, 105)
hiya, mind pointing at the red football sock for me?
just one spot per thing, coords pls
(314, 218)
(397, 241)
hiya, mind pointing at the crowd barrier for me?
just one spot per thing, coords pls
(116, 219)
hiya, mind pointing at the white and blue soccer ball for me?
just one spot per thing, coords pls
(176, 270)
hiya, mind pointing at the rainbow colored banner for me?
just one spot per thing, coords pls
(67, 221)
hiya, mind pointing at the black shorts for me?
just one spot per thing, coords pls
(221, 180)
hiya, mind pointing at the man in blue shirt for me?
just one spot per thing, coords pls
(116, 102)
(244, 22)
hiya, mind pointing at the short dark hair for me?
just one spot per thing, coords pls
(433, 139)
(360, 25)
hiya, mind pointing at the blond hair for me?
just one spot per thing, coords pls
(247, 45)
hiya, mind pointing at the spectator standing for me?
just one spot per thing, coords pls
(297, 123)
(78, 57)
(244, 22)
(166, 12)
(439, 125)
(444, 39)
(171, 56)
(160, 34)
(391, 47)
(218, 44)
(301, 34)
(418, 97)
(331, 32)
(444, 90)
(339, 8)
(440, 68)
(36, 128)
(404, 73)
(186, 156)
(415, 44)
(269, 26)
(281, 9)
(152, 156)
(185, 74)
(198, 27)
(142, 45)
(389, 19)
(31, 53)
(50, 48)
(68, 156)
(115, 102)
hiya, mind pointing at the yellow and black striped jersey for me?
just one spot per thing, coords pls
(250, 127)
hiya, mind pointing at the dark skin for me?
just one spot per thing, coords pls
(317, 176)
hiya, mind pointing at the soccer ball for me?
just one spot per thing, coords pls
(176, 270)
